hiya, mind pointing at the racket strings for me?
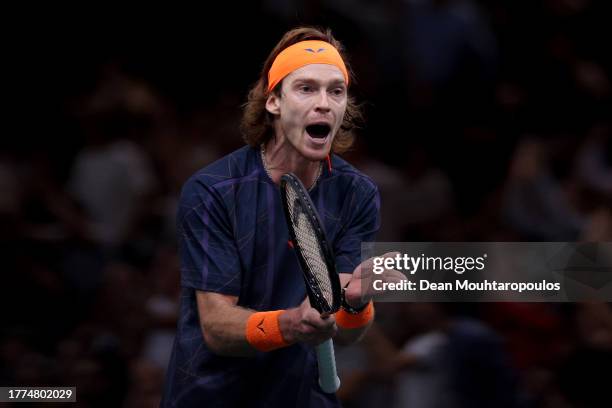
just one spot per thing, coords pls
(308, 243)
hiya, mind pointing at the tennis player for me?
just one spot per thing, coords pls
(246, 331)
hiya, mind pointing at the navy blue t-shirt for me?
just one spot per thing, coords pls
(233, 240)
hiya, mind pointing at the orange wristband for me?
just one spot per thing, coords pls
(263, 331)
(348, 320)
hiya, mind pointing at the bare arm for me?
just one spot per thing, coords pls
(224, 323)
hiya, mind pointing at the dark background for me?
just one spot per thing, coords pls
(485, 121)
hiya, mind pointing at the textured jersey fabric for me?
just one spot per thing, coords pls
(233, 240)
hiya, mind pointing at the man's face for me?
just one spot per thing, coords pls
(310, 110)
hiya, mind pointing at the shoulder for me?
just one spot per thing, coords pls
(238, 167)
(232, 168)
(239, 164)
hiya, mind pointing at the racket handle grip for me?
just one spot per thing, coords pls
(328, 378)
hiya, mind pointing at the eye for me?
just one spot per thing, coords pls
(337, 91)
(305, 88)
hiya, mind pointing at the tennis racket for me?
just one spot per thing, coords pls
(318, 267)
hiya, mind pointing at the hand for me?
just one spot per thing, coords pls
(305, 324)
(359, 290)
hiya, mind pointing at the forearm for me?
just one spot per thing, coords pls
(227, 336)
(224, 326)
(231, 330)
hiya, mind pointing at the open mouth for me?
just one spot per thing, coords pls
(318, 130)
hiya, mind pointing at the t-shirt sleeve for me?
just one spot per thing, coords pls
(208, 255)
(361, 225)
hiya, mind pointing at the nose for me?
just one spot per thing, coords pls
(322, 103)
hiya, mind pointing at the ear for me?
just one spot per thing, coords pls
(273, 103)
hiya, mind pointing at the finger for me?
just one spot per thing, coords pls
(307, 331)
(395, 276)
(314, 319)
(313, 336)
(324, 334)
(321, 324)
(392, 275)
(353, 291)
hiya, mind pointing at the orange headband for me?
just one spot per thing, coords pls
(304, 53)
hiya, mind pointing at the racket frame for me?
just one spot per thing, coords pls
(316, 297)
(328, 377)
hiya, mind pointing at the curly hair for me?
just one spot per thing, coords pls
(257, 123)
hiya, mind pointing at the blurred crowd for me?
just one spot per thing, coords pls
(485, 121)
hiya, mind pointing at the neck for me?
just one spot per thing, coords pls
(280, 158)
